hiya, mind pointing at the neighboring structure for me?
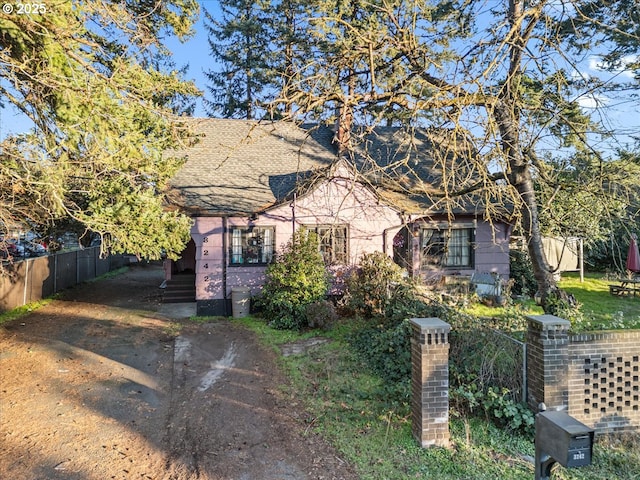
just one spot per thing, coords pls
(248, 185)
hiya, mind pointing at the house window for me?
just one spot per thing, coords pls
(447, 248)
(333, 243)
(254, 245)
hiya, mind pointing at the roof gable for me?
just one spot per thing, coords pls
(241, 167)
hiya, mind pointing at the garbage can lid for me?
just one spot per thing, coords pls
(240, 289)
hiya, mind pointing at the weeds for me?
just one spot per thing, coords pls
(18, 312)
(172, 329)
(349, 406)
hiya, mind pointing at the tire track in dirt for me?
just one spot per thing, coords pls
(93, 387)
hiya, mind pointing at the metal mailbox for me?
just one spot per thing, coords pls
(563, 439)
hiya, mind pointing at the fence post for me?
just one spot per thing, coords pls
(547, 361)
(430, 381)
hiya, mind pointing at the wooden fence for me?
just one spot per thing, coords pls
(33, 279)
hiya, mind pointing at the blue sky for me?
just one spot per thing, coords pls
(622, 114)
(195, 52)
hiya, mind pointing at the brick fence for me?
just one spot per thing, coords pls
(593, 376)
(430, 381)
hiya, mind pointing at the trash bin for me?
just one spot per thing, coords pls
(240, 301)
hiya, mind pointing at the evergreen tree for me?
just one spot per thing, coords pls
(242, 42)
(87, 75)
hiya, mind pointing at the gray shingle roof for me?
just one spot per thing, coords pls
(240, 167)
(410, 166)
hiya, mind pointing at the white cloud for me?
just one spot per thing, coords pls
(595, 65)
(592, 101)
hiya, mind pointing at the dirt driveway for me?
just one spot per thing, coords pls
(98, 386)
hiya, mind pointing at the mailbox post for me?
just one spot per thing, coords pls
(563, 439)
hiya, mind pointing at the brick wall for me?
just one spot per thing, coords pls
(547, 342)
(430, 381)
(593, 376)
(603, 380)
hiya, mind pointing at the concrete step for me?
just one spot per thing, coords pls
(180, 289)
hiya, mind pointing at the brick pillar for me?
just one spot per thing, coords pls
(547, 361)
(430, 381)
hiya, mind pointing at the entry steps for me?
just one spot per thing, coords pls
(180, 289)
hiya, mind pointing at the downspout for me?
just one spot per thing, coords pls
(224, 265)
(293, 212)
(384, 240)
(385, 232)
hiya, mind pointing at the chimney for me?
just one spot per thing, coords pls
(344, 122)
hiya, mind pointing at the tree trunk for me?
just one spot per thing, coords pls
(506, 113)
(523, 183)
(521, 180)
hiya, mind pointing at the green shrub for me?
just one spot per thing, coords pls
(295, 279)
(370, 287)
(385, 351)
(481, 362)
(484, 368)
(524, 281)
(405, 303)
(487, 357)
(496, 404)
(321, 314)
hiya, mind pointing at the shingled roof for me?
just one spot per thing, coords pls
(241, 167)
(412, 168)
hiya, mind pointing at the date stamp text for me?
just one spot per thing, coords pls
(24, 8)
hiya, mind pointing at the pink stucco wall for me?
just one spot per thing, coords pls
(372, 227)
(207, 233)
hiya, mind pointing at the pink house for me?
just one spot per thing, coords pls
(248, 185)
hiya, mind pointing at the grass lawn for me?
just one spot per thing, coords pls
(371, 426)
(598, 305)
(599, 308)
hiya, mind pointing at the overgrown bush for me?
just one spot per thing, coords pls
(380, 292)
(566, 306)
(405, 302)
(484, 367)
(496, 404)
(370, 287)
(481, 362)
(321, 314)
(297, 278)
(385, 351)
(524, 281)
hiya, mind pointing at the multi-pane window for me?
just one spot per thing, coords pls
(253, 245)
(447, 247)
(333, 243)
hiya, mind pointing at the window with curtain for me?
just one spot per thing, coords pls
(447, 248)
(333, 243)
(254, 245)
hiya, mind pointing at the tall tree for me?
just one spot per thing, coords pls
(291, 40)
(260, 48)
(495, 75)
(86, 74)
(242, 42)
